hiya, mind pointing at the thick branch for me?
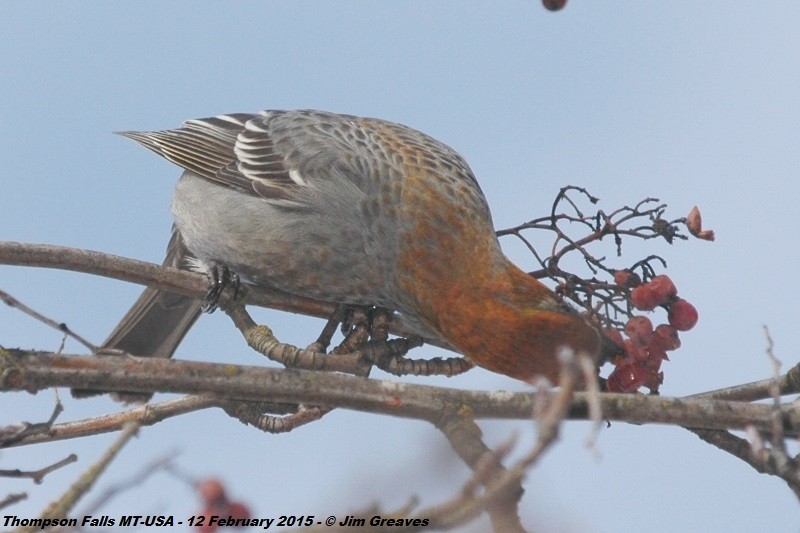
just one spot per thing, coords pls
(32, 372)
(166, 278)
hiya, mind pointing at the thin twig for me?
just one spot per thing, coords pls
(163, 463)
(772, 459)
(38, 475)
(13, 498)
(60, 326)
(26, 430)
(775, 393)
(64, 505)
(144, 415)
(788, 384)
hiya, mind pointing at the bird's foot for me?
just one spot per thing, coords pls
(220, 278)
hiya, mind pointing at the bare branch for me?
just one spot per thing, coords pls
(788, 383)
(458, 425)
(38, 475)
(166, 278)
(144, 415)
(163, 463)
(60, 326)
(775, 393)
(25, 430)
(11, 499)
(773, 459)
(25, 371)
(62, 507)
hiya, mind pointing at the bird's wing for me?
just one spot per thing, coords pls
(275, 154)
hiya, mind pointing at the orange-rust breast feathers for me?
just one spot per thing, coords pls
(513, 325)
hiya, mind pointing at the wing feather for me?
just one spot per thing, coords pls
(276, 155)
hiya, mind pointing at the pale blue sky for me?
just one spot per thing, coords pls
(692, 102)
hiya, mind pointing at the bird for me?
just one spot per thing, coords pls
(353, 211)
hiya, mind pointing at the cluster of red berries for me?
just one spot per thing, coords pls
(216, 503)
(646, 347)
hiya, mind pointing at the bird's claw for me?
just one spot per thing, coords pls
(220, 277)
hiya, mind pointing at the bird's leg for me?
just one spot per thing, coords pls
(366, 332)
(324, 340)
(355, 328)
(220, 277)
(379, 320)
(263, 341)
(390, 355)
(257, 414)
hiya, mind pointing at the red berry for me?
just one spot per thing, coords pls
(554, 5)
(204, 518)
(626, 279)
(682, 315)
(627, 377)
(635, 351)
(663, 288)
(643, 298)
(654, 358)
(639, 329)
(666, 337)
(212, 491)
(615, 336)
(654, 381)
(238, 510)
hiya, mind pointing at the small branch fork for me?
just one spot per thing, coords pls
(60, 508)
(766, 455)
(605, 301)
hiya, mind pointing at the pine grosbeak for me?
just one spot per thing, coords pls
(351, 210)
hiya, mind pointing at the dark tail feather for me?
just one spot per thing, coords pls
(154, 326)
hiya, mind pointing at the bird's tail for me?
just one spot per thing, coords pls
(154, 326)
